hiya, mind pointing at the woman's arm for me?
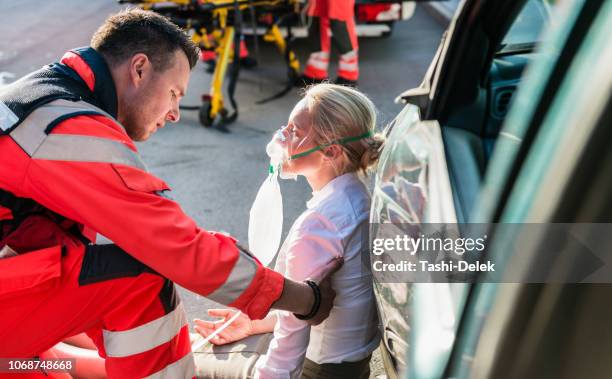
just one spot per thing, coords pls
(88, 365)
(81, 340)
(264, 326)
(240, 328)
(308, 251)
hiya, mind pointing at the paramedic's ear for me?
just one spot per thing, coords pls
(140, 65)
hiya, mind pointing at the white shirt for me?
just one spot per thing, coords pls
(335, 223)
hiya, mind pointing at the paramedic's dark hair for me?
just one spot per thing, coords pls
(134, 31)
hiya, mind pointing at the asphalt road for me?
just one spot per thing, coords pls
(215, 176)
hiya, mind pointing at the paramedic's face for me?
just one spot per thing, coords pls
(155, 98)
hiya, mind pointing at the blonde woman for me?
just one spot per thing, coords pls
(330, 140)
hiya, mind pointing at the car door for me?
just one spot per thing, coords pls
(559, 173)
(418, 333)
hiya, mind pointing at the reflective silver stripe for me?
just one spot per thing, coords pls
(321, 65)
(348, 66)
(348, 56)
(31, 132)
(145, 337)
(183, 368)
(321, 55)
(70, 147)
(74, 106)
(102, 240)
(31, 136)
(7, 117)
(238, 281)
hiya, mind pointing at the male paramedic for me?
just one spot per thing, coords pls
(71, 176)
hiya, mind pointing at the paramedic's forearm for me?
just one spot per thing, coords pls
(296, 297)
(299, 297)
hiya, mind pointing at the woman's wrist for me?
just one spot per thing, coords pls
(263, 326)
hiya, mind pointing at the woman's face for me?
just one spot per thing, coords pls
(299, 137)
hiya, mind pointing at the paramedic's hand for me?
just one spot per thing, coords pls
(327, 292)
(298, 297)
(237, 330)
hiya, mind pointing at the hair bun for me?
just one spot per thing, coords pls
(374, 146)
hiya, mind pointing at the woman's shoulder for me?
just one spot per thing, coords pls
(348, 205)
(314, 219)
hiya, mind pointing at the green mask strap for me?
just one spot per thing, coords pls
(340, 141)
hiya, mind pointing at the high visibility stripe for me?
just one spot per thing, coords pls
(33, 138)
(319, 60)
(350, 55)
(348, 62)
(348, 66)
(238, 281)
(320, 55)
(183, 368)
(69, 147)
(124, 343)
(102, 240)
(319, 65)
(31, 132)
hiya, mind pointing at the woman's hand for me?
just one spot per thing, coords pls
(240, 328)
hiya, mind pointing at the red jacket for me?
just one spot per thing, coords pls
(123, 203)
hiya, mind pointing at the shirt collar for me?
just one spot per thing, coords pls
(92, 69)
(329, 188)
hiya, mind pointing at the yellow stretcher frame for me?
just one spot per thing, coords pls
(213, 107)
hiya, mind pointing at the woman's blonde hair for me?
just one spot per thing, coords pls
(340, 112)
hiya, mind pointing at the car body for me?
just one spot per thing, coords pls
(523, 106)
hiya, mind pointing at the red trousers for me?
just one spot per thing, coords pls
(333, 22)
(336, 15)
(133, 314)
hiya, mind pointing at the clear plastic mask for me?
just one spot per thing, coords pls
(280, 150)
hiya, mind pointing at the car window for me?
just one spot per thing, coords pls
(527, 28)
